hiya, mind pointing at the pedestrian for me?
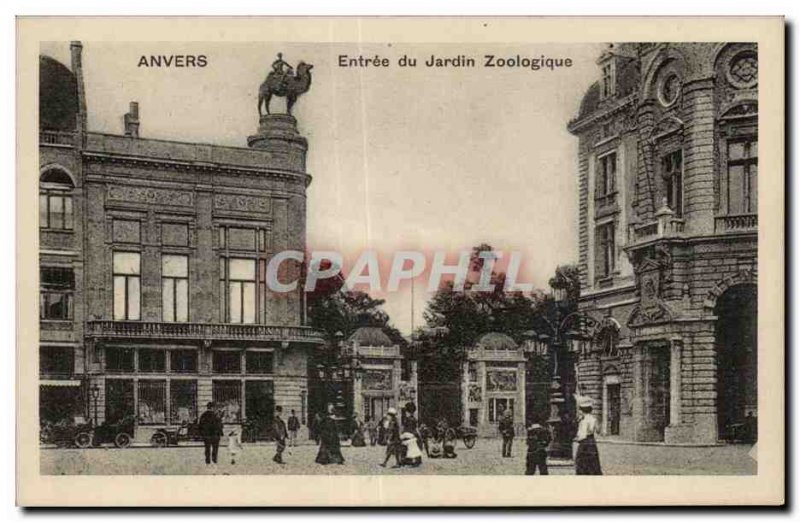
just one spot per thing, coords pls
(294, 426)
(372, 430)
(357, 438)
(234, 444)
(330, 451)
(317, 422)
(210, 428)
(280, 433)
(506, 427)
(587, 458)
(538, 439)
(393, 444)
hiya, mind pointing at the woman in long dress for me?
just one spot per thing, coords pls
(587, 458)
(330, 451)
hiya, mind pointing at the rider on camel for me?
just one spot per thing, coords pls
(280, 67)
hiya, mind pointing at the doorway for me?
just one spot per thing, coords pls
(659, 389)
(259, 406)
(612, 405)
(737, 364)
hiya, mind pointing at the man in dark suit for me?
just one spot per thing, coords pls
(279, 429)
(210, 428)
(506, 427)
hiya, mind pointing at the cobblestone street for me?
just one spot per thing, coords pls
(483, 459)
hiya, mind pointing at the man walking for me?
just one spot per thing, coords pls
(506, 427)
(294, 427)
(210, 428)
(538, 439)
(279, 429)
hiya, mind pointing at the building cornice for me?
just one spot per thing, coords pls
(578, 124)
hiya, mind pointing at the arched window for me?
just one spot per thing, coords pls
(55, 200)
(607, 340)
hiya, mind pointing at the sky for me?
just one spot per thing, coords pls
(401, 158)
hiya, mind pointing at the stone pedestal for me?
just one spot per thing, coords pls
(274, 128)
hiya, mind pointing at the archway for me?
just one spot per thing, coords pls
(737, 363)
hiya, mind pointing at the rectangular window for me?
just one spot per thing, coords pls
(119, 399)
(497, 406)
(56, 361)
(56, 294)
(606, 249)
(183, 401)
(742, 183)
(606, 176)
(227, 362)
(55, 211)
(126, 231)
(175, 234)
(119, 359)
(152, 402)
(127, 286)
(228, 396)
(175, 288)
(239, 289)
(183, 361)
(672, 174)
(607, 87)
(259, 362)
(152, 360)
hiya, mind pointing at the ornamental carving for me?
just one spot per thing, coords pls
(242, 203)
(501, 380)
(151, 196)
(377, 380)
(475, 393)
(743, 70)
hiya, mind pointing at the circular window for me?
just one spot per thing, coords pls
(743, 70)
(669, 90)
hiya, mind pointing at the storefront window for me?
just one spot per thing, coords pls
(183, 401)
(227, 362)
(119, 359)
(228, 397)
(259, 362)
(56, 361)
(152, 402)
(183, 361)
(151, 360)
(119, 399)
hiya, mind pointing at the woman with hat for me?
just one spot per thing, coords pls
(587, 458)
(393, 444)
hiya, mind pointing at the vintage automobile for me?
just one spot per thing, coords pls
(64, 434)
(174, 435)
(120, 433)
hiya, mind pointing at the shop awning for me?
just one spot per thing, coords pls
(60, 382)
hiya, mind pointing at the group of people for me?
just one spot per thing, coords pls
(587, 457)
(401, 437)
(211, 429)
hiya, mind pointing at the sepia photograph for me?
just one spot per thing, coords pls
(398, 259)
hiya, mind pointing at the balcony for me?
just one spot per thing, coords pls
(663, 228)
(736, 223)
(57, 138)
(202, 331)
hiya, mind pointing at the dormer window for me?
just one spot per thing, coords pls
(607, 86)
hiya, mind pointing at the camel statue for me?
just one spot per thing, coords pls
(281, 82)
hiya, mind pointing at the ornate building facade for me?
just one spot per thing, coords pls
(153, 261)
(668, 240)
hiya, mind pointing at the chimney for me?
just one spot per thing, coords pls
(76, 51)
(131, 121)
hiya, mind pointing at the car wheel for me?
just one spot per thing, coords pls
(122, 440)
(159, 440)
(83, 439)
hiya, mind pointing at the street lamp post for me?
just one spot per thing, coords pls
(95, 396)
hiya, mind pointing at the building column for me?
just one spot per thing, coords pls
(638, 402)
(675, 399)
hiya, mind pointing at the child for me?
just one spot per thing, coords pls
(538, 439)
(234, 444)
